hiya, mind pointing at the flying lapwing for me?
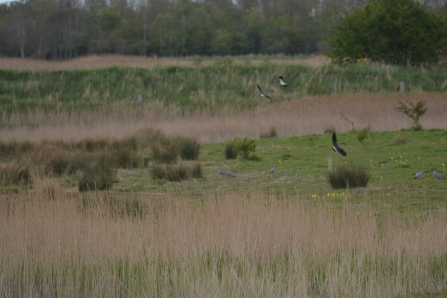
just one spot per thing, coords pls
(230, 174)
(335, 146)
(264, 95)
(437, 175)
(221, 173)
(418, 175)
(281, 82)
(273, 170)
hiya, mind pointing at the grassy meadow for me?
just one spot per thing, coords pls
(286, 234)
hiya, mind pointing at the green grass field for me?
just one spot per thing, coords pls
(287, 234)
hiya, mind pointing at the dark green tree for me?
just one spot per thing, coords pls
(400, 32)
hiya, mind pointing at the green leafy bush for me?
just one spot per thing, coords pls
(399, 32)
(348, 176)
(245, 146)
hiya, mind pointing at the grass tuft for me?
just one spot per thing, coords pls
(99, 176)
(348, 176)
(15, 174)
(189, 148)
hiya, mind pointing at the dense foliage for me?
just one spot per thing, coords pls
(63, 29)
(400, 32)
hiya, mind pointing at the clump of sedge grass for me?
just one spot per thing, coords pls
(176, 173)
(164, 150)
(348, 176)
(99, 176)
(230, 150)
(15, 173)
(126, 157)
(189, 148)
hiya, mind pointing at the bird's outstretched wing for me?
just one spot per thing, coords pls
(335, 146)
(262, 93)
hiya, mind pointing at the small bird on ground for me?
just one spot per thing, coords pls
(230, 174)
(383, 161)
(281, 82)
(335, 146)
(437, 175)
(273, 170)
(221, 173)
(264, 95)
(418, 175)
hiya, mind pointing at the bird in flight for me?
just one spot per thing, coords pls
(230, 174)
(281, 82)
(335, 146)
(418, 175)
(264, 95)
(437, 175)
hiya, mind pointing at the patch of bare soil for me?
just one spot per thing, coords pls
(104, 61)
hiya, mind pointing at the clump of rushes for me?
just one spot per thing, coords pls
(348, 176)
(189, 148)
(176, 173)
(99, 176)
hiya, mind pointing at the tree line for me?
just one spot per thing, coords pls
(64, 29)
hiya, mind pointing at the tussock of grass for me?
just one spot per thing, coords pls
(98, 176)
(348, 176)
(189, 148)
(177, 173)
(15, 173)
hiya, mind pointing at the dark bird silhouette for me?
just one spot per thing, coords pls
(281, 82)
(264, 95)
(335, 146)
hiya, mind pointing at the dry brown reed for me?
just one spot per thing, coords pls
(104, 61)
(225, 244)
(293, 118)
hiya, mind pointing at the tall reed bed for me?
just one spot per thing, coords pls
(222, 244)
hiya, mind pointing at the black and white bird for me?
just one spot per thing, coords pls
(221, 173)
(273, 170)
(230, 174)
(264, 95)
(437, 175)
(281, 82)
(418, 175)
(335, 146)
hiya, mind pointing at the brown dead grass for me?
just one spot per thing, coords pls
(104, 61)
(70, 247)
(294, 118)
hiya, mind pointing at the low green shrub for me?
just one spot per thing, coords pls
(245, 146)
(348, 176)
